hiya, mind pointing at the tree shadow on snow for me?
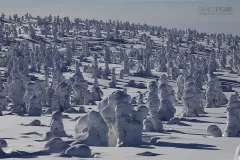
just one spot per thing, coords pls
(233, 83)
(180, 132)
(187, 146)
(148, 154)
(32, 133)
(224, 117)
(23, 154)
(199, 121)
(8, 138)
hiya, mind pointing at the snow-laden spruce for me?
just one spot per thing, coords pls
(153, 104)
(233, 116)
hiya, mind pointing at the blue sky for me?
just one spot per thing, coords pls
(171, 13)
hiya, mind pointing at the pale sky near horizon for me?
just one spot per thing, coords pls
(179, 14)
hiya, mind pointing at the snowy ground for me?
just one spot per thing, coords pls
(181, 142)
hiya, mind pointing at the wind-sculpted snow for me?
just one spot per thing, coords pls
(100, 85)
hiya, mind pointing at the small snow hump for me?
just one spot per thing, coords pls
(79, 150)
(56, 145)
(214, 131)
(35, 122)
(3, 143)
(154, 140)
